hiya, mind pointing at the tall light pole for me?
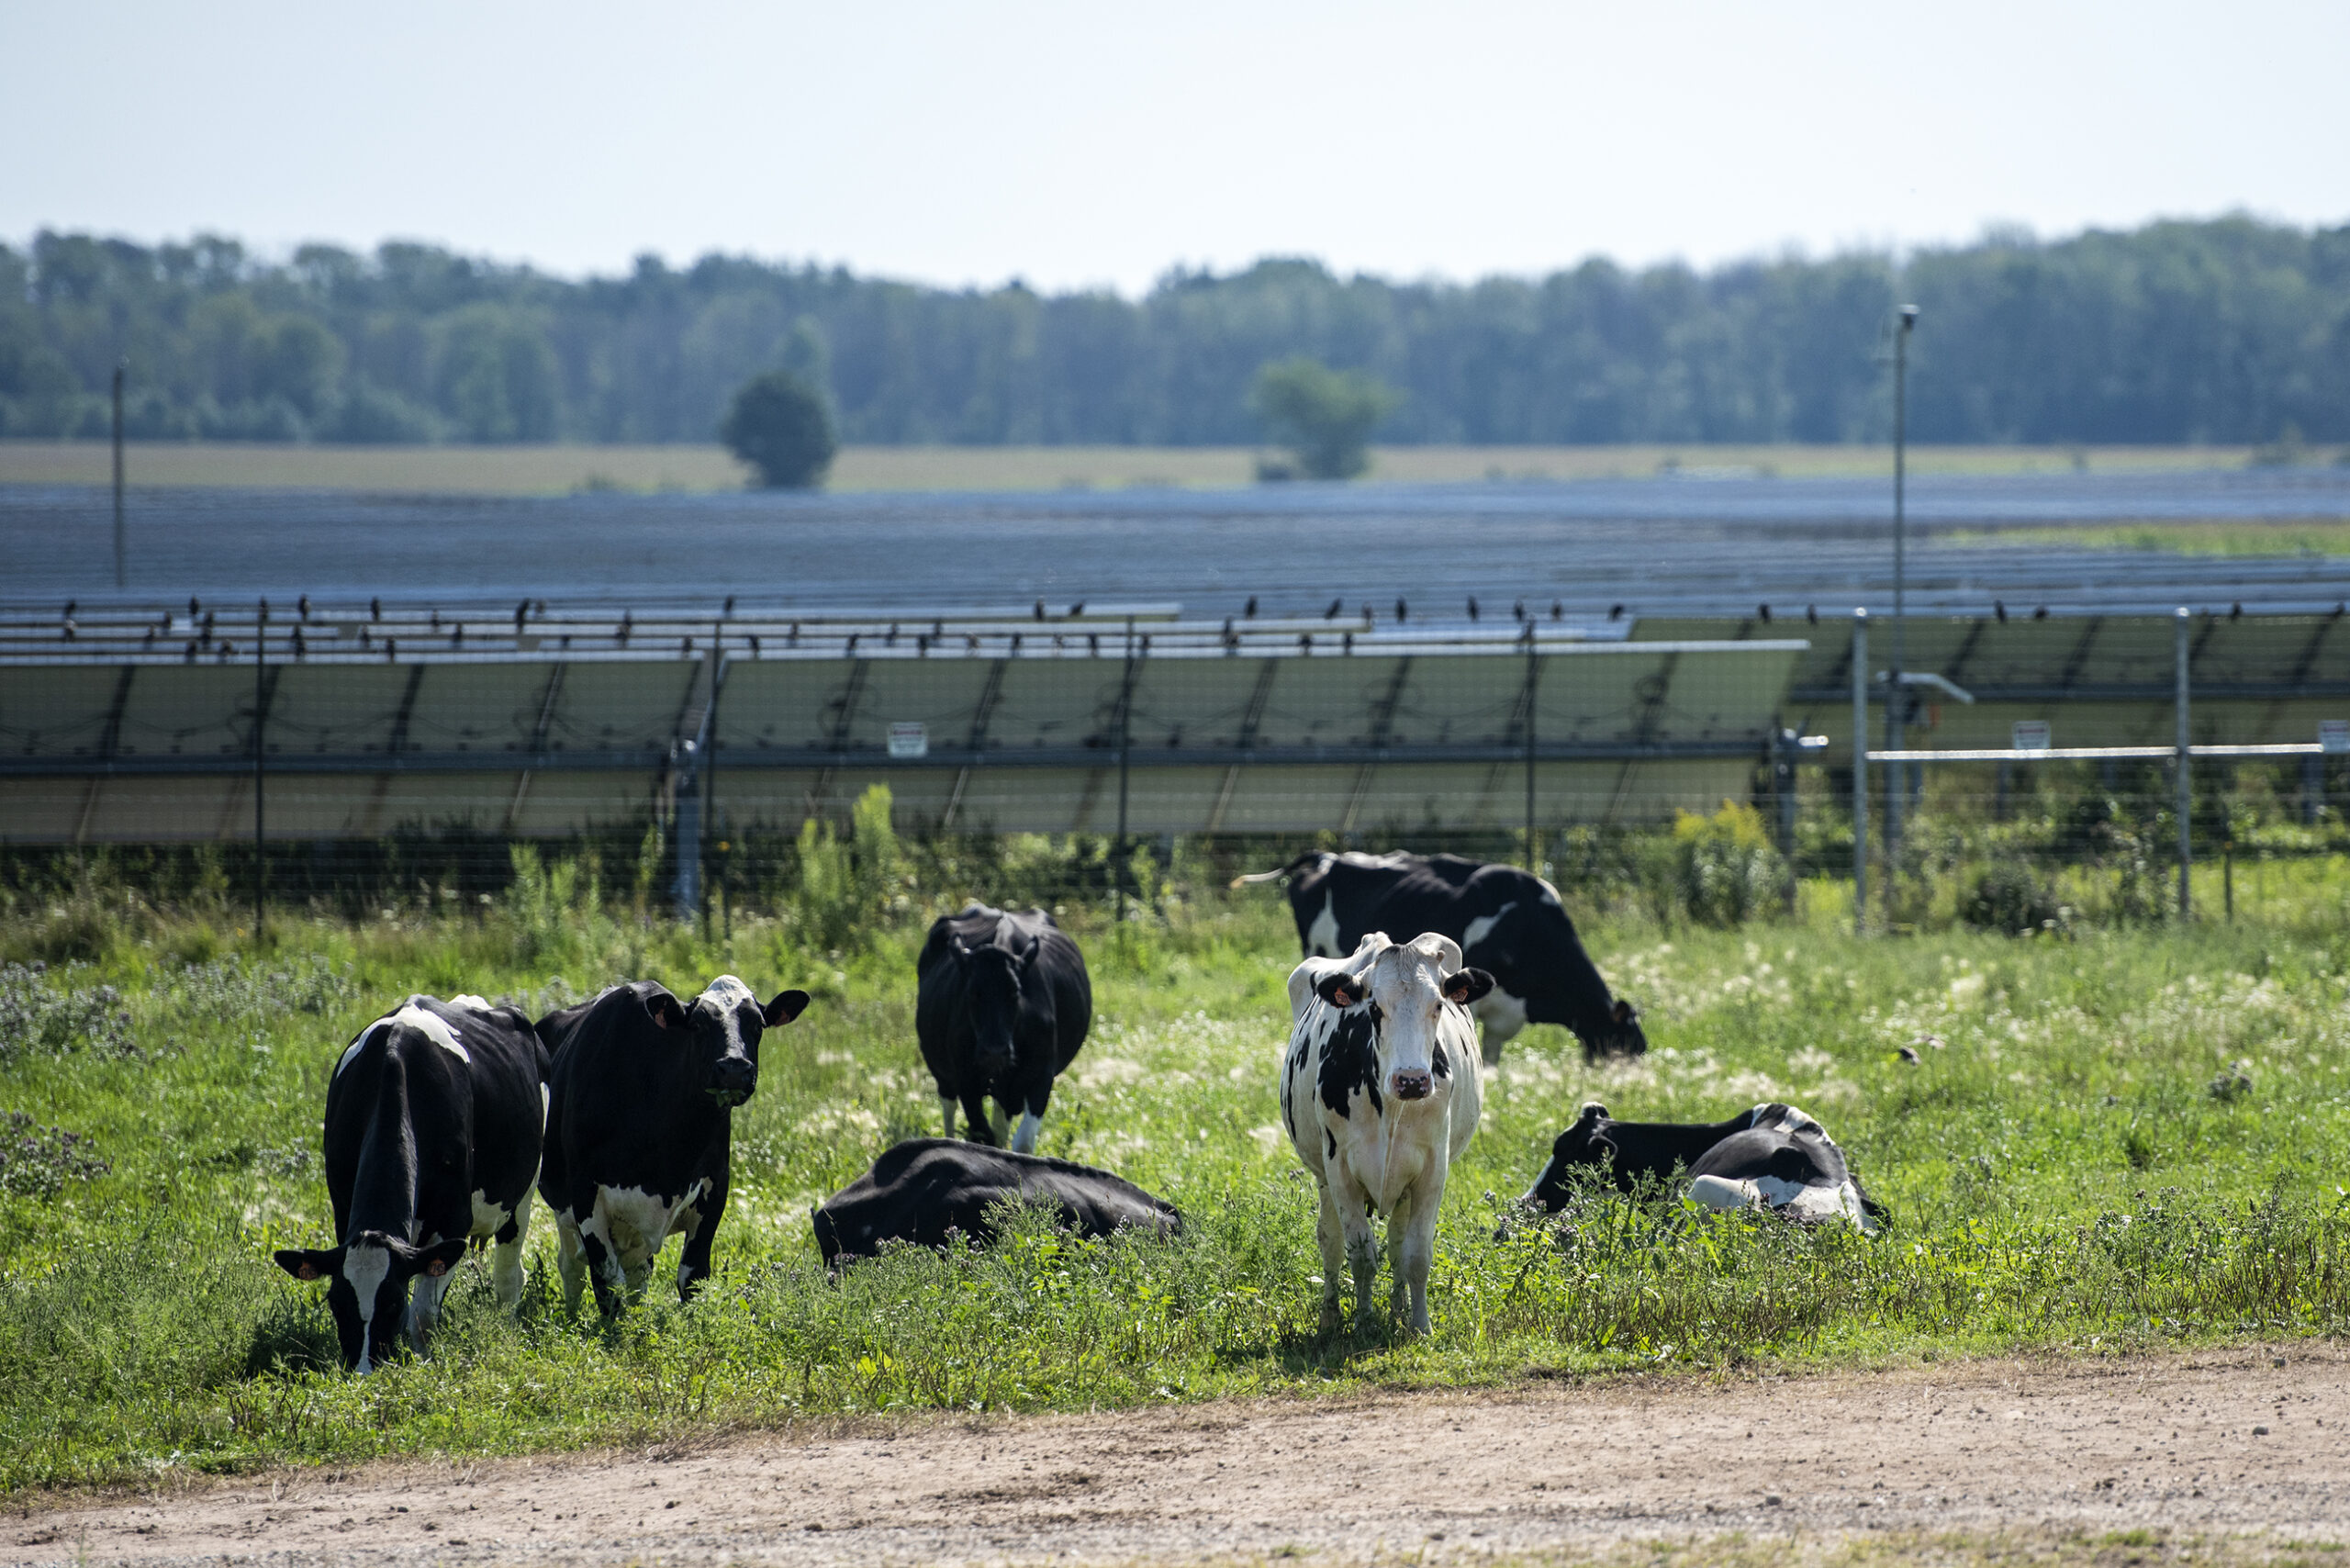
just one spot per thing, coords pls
(1897, 693)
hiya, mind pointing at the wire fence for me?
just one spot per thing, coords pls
(2022, 766)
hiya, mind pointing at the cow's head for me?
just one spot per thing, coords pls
(725, 1022)
(1582, 1145)
(1619, 1036)
(1405, 990)
(998, 986)
(367, 1278)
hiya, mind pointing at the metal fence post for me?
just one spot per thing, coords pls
(1860, 773)
(260, 719)
(2186, 774)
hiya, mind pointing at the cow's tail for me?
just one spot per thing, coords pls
(1251, 878)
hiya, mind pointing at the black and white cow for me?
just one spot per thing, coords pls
(1773, 1157)
(1508, 923)
(435, 1116)
(1379, 1094)
(924, 1188)
(639, 1132)
(1003, 1008)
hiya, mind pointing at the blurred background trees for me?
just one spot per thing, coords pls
(780, 425)
(1325, 416)
(2230, 331)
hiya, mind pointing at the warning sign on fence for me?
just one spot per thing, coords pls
(909, 739)
(2031, 734)
(2333, 736)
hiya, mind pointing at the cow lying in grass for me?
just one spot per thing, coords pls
(1773, 1158)
(923, 1189)
(434, 1118)
(1379, 1093)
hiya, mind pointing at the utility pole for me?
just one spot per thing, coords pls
(121, 567)
(1897, 693)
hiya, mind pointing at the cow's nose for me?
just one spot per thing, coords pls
(737, 1077)
(1410, 1084)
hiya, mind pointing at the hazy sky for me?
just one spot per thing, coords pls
(1077, 144)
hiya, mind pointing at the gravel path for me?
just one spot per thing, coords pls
(2242, 1440)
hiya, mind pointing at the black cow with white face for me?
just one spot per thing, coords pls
(434, 1117)
(1508, 923)
(1003, 1008)
(639, 1130)
(923, 1189)
(1773, 1158)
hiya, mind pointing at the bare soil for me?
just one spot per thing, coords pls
(2244, 1442)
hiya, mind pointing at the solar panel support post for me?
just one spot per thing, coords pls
(121, 560)
(1897, 695)
(2186, 773)
(1860, 773)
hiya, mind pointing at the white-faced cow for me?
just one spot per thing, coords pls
(922, 1189)
(1379, 1094)
(639, 1133)
(1508, 923)
(1773, 1157)
(1003, 1007)
(435, 1116)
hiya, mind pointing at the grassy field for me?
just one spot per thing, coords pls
(2313, 536)
(2119, 1139)
(556, 470)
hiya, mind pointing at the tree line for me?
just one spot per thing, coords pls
(2230, 329)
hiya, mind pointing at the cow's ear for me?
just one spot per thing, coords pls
(1465, 986)
(1624, 1013)
(786, 1005)
(1339, 990)
(665, 1010)
(436, 1259)
(960, 947)
(306, 1263)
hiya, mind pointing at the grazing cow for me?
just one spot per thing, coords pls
(924, 1188)
(1773, 1157)
(640, 1128)
(1379, 1093)
(1509, 923)
(435, 1116)
(1003, 1008)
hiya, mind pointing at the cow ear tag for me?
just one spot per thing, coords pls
(1339, 990)
(436, 1268)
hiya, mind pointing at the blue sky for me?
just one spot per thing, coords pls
(1088, 144)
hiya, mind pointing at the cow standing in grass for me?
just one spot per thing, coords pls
(1509, 923)
(1379, 1094)
(640, 1130)
(435, 1119)
(1004, 1008)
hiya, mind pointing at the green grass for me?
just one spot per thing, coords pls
(2310, 536)
(2064, 1172)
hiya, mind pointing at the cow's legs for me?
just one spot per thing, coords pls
(947, 1115)
(424, 1314)
(693, 1258)
(1032, 1119)
(1411, 1241)
(607, 1269)
(1328, 1231)
(505, 1262)
(1361, 1241)
(570, 1261)
(975, 1116)
(1503, 1017)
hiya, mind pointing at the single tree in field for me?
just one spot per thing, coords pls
(1324, 416)
(781, 427)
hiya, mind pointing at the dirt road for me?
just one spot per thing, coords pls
(2233, 1441)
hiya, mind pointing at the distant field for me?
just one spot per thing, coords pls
(557, 470)
(2315, 536)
